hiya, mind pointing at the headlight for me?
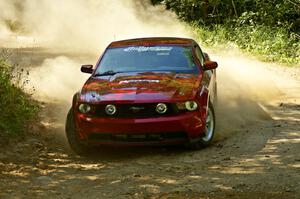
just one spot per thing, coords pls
(161, 108)
(191, 105)
(110, 109)
(84, 108)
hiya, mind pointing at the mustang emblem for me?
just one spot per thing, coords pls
(136, 109)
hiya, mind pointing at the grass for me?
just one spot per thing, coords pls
(18, 109)
(269, 44)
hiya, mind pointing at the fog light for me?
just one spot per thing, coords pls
(110, 109)
(84, 108)
(191, 105)
(161, 108)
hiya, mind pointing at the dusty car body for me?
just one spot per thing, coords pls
(145, 91)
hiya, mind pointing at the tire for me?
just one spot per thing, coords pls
(76, 145)
(210, 126)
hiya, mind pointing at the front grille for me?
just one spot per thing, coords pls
(145, 110)
(147, 137)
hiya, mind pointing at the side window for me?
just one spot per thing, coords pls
(200, 55)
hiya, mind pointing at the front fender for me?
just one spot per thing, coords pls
(203, 99)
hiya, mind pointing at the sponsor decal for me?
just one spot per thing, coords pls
(138, 81)
(145, 48)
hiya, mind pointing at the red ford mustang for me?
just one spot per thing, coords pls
(145, 92)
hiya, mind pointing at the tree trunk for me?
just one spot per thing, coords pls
(234, 8)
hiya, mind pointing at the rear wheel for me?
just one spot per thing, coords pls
(76, 145)
(209, 132)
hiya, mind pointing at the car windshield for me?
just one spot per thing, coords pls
(147, 58)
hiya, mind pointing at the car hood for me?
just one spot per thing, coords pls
(140, 87)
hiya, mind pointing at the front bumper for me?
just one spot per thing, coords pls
(145, 131)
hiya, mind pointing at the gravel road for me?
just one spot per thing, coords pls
(256, 153)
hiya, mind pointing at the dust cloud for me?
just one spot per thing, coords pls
(88, 26)
(81, 26)
(54, 77)
(245, 86)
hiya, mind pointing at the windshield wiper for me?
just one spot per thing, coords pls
(109, 72)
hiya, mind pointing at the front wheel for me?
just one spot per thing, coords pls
(209, 131)
(76, 145)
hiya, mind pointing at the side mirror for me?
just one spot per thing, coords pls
(87, 69)
(209, 65)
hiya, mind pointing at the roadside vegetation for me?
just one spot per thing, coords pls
(18, 110)
(268, 29)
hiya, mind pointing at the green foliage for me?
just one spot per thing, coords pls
(210, 12)
(17, 108)
(269, 44)
(267, 28)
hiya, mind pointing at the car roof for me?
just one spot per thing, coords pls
(153, 41)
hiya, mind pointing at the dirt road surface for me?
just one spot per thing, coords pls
(256, 154)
